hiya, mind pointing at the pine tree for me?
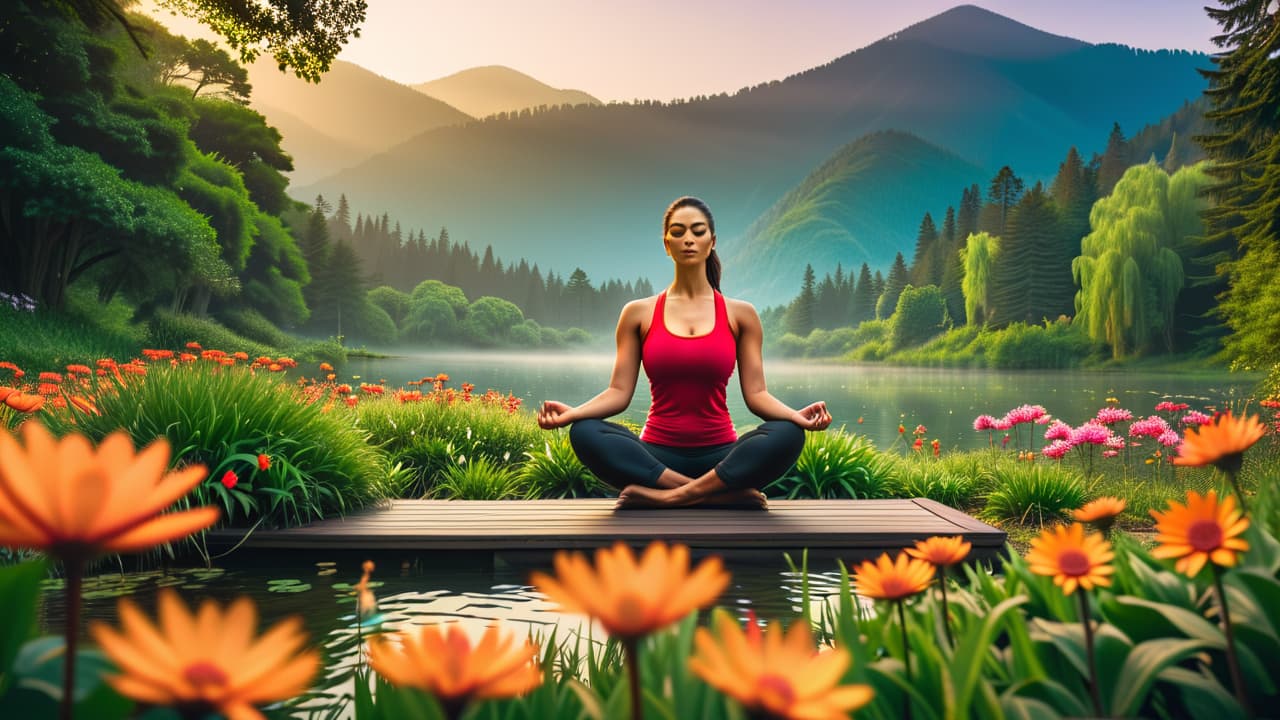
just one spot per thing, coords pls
(1006, 190)
(951, 270)
(897, 281)
(1173, 158)
(967, 215)
(922, 261)
(800, 316)
(1115, 160)
(1031, 277)
(862, 306)
(578, 294)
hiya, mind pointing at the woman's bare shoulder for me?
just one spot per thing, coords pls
(638, 311)
(740, 309)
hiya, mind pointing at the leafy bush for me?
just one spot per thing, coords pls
(252, 325)
(48, 339)
(836, 465)
(1053, 345)
(320, 463)
(789, 345)
(933, 482)
(1031, 493)
(478, 478)
(170, 331)
(921, 314)
(556, 472)
(577, 336)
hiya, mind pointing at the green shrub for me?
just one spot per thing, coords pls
(835, 464)
(424, 458)
(1033, 493)
(921, 314)
(50, 340)
(478, 478)
(321, 463)
(525, 335)
(831, 343)
(577, 336)
(550, 337)
(169, 331)
(933, 482)
(1053, 345)
(788, 345)
(252, 325)
(556, 472)
(872, 351)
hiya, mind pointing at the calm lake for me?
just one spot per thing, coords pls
(944, 401)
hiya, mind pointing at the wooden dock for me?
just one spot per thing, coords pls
(840, 528)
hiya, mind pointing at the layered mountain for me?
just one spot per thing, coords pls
(587, 186)
(350, 115)
(484, 91)
(847, 211)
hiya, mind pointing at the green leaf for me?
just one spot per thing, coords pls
(37, 683)
(19, 598)
(1143, 619)
(964, 666)
(1201, 693)
(1142, 666)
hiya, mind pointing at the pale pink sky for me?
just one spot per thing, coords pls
(664, 49)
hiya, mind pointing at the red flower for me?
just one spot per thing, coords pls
(229, 479)
(859, 419)
(50, 377)
(78, 369)
(919, 443)
(901, 428)
(193, 345)
(937, 447)
(264, 462)
(920, 430)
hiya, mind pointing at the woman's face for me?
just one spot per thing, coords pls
(689, 238)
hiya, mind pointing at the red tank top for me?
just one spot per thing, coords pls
(687, 379)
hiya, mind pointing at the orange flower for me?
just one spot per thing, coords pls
(63, 497)
(17, 371)
(193, 345)
(633, 599)
(775, 675)
(1203, 530)
(941, 551)
(275, 367)
(896, 579)
(78, 369)
(1072, 558)
(264, 462)
(6, 391)
(23, 402)
(207, 661)
(1101, 511)
(50, 377)
(84, 404)
(442, 378)
(443, 662)
(1221, 443)
(326, 367)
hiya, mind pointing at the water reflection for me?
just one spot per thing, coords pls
(411, 592)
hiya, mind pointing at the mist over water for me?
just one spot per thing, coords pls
(945, 401)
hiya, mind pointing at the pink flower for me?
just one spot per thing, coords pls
(1056, 449)
(1093, 433)
(1110, 453)
(984, 422)
(1114, 442)
(1167, 406)
(1195, 417)
(1044, 419)
(1113, 415)
(1005, 441)
(1153, 426)
(1058, 431)
(1003, 423)
(1024, 414)
(1169, 438)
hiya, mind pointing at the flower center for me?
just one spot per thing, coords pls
(204, 673)
(1073, 563)
(1205, 535)
(632, 613)
(776, 694)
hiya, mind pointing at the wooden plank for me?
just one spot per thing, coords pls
(861, 527)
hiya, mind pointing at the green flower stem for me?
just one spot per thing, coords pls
(1233, 661)
(631, 650)
(1088, 646)
(906, 658)
(75, 580)
(946, 615)
(1231, 476)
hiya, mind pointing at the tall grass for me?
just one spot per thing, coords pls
(836, 464)
(556, 472)
(169, 330)
(1033, 493)
(478, 478)
(86, 330)
(321, 464)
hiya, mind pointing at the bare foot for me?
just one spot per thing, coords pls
(749, 499)
(639, 496)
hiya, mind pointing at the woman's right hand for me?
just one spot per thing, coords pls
(553, 414)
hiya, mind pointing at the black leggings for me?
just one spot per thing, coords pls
(619, 458)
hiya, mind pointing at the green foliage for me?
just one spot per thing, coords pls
(979, 256)
(921, 313)
(167, 330)
(395, 303)
(1052, 345)
(478, 478)
(1129, 271)
(836, 464)
(489, 321)
(49, 339)
(556, 472)
(929, 480)
(321, 464)
(1033, 493)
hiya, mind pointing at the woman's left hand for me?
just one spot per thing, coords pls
(813, 417)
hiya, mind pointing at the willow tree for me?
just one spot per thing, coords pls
(1130, 271)
(978, 255)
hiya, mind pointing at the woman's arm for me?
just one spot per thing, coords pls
(751, 376)
(622, 384)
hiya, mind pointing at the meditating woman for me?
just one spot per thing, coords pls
(688, 338)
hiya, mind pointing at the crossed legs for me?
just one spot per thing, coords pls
(649, 475)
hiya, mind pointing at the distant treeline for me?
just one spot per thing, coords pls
(393, 258)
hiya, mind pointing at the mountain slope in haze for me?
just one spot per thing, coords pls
(361, 112)
(484, 91)
(587, 186)
(849, 210)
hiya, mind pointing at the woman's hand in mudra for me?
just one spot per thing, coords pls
(813, 417)
(553, 414)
